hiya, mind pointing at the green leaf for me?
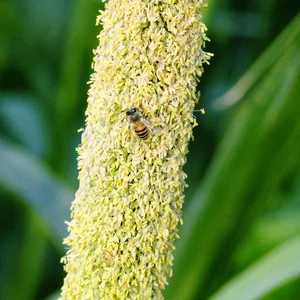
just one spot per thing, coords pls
(28, 178)
(260, 67)
(259, 149)
(30, 263)
(54, 296)
(275, 269)
(77, 55)
(268, 232)
(24, 120)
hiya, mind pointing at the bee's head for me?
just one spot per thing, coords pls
(133, 113)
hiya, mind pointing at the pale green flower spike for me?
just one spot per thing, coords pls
(128, 205)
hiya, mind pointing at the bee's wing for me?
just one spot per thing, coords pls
(152, 129)
(146, 123)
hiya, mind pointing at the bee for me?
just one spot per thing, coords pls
(138, 124)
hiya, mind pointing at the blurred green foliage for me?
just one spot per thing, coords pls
(240, 238)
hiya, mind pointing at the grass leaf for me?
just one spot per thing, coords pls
(28, 178)
(275, 269)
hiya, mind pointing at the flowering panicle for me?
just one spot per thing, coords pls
(128, 205)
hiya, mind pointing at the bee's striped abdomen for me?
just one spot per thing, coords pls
(141, 129)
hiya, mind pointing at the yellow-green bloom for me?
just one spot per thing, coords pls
(128, 205)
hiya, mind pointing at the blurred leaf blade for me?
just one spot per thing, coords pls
(264, 132)
(54, 296)
(30, 262)
(267, 233)
(25, 121)
(77, 54)
(260, 67)
(273, 270)
(24, 175)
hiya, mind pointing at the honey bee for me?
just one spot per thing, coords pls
(138, 124)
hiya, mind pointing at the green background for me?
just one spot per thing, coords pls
(241, 234)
